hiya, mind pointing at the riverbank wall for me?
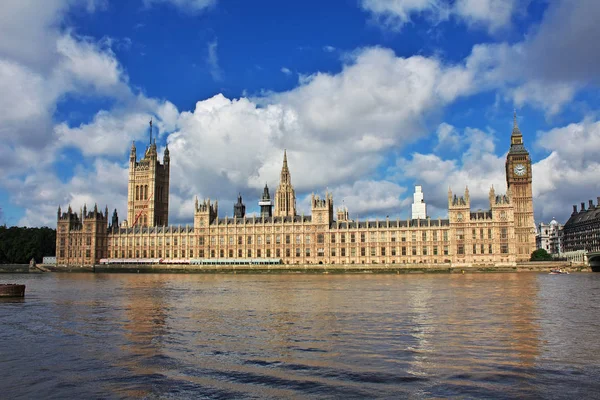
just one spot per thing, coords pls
(14, 268)
(324, 269)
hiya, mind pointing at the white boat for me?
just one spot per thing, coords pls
(558, 271)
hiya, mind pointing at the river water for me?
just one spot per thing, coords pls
(525, 335)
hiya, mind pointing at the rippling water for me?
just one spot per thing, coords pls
(88, 336)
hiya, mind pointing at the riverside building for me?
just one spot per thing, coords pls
(502, 235)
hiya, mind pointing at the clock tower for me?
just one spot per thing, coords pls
(518, 182)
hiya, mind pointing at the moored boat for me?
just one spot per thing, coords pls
(12, 290)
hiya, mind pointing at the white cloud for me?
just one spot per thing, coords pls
(493, 14)
(212, 60)
(370, 198)
(394, 14)
(286, 71)
(190, 6)
(334, 127)
(329, 49)
(448, 138)
(489, 14)
(41, 193)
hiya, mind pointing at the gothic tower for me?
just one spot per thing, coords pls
(285, 196)
(148, 190)
(518, 182)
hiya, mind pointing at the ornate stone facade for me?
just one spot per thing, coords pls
(498, 236)
(518, 182)
(148, 191)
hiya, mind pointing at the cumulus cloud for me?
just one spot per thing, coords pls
(371, 198)
(447, 137)
(489, 14)
(104, 183)
(335, 127)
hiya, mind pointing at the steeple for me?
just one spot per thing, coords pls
(285, 196)
(150, 131)
(516, 131)
(285, 172)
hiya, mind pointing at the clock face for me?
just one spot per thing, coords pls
(520, 170)
(459, 216)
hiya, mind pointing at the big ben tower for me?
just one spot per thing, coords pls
(518, 182)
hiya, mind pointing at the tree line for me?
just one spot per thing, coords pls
(18, 245)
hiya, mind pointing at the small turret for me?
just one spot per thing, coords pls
(115, 220)
(133, 153)
(239, 209)
(166, 157)
(59, 212)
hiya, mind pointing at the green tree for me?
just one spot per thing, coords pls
(540, 255)
(18, 245)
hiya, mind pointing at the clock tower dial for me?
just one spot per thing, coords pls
(520, 170)
(518, 181)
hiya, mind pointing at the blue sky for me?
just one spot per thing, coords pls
(369, 97)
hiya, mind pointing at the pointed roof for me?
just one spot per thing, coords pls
(516, 131)
(285, 172)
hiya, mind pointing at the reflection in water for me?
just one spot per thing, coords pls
(263, 336)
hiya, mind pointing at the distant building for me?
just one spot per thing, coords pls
(419, 208)
(582, 230)
(549, 237)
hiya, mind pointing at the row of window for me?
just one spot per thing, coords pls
(343, 252)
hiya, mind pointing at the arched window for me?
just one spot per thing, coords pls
(146, 192)
(137, 192)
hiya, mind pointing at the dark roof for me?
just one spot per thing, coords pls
(581, 217)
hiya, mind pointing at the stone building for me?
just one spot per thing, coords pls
(148, 191)
(582, 230)
(502, 235)
(549, 237)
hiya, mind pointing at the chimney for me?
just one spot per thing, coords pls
(591, 205)
(582, 206)
(574, 208)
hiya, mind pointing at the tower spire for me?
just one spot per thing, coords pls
(150, 130)
(516, 131)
